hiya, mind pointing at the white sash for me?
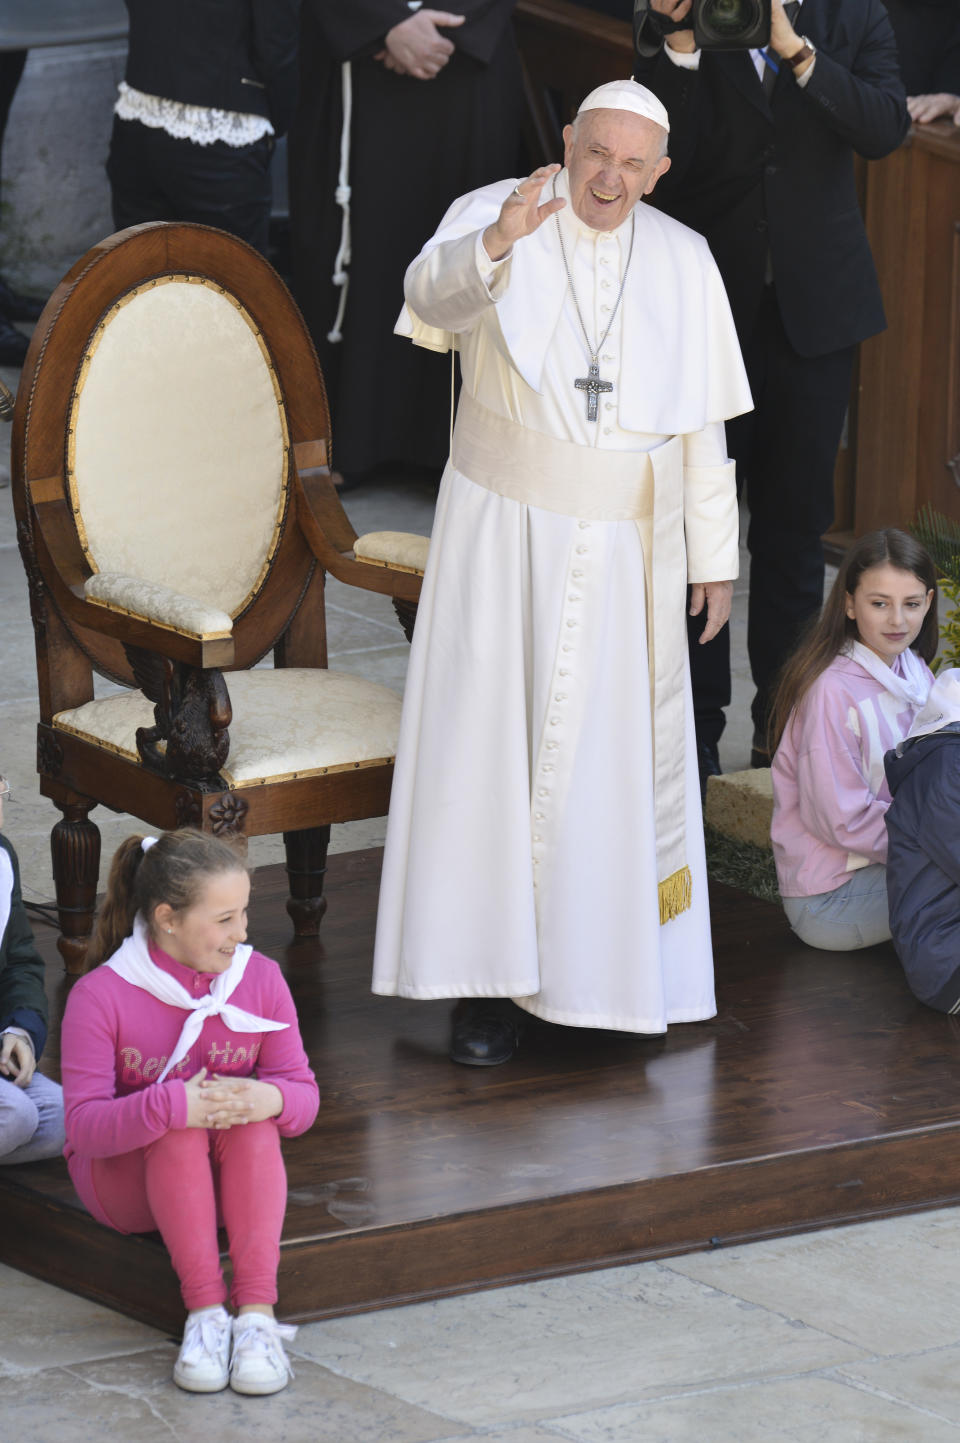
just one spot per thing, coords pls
(132, 962)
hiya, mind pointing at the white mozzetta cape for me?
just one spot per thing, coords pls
(522, 848)
(679, 348)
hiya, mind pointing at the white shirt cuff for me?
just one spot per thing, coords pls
(485, 265)
(686, 59)
(493, 274)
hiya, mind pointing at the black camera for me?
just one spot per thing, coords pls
(716, 25)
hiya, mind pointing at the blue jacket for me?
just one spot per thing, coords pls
(923, 864)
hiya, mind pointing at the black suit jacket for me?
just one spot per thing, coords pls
(236, 55)
(928, 39)
(758, 177)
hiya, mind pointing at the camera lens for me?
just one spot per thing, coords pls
(728, 19)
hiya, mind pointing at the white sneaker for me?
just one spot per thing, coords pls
(259, 1364)
(203, 1365)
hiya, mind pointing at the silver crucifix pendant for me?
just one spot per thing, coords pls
(593, 385)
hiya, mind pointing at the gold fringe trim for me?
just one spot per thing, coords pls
(676, 895)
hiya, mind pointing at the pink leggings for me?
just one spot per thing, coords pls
(184, 1184)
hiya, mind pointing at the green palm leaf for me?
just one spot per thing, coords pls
(941, 537)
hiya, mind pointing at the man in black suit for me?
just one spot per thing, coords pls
(762, 155)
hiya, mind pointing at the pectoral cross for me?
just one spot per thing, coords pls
(593, 385)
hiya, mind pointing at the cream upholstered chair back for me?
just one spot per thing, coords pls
(177, 457)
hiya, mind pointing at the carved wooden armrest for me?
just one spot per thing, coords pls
(190, 738)
(149, 601)
(400, 550)
(148, 615)
(332, 540)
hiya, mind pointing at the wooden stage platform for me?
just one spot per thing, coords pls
(822, 1093)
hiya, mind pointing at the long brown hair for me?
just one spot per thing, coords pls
(829, 633)
(174, 870)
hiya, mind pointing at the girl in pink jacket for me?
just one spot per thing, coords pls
(182, 1068)
(848, 694)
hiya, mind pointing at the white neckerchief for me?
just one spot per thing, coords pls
(132, 962)
(6, 890)
(912, 688)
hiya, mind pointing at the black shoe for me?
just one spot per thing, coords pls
(13, 344)
(708, 763)
(759, 756)
(17, 307)
(485, 1032)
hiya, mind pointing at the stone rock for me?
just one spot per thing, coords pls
(740, 805)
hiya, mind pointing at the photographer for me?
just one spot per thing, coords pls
(768, 179)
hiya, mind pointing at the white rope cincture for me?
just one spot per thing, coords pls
(341, 276)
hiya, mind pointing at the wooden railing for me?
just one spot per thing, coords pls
(566, 50)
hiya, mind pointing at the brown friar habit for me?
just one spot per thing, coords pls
(415, 145)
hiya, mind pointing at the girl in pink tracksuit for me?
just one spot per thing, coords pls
(847, 695)
(182, 1068)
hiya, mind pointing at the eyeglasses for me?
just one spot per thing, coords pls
(5, 792)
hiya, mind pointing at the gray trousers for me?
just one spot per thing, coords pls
(853, 916)
(31, 1120)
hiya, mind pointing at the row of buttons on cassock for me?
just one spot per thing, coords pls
(567, 649)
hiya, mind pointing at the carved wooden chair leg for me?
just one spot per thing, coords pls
(75, 850)
(306, 865)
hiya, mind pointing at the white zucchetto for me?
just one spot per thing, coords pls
(627, 95)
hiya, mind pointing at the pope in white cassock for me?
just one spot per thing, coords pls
(545, 842)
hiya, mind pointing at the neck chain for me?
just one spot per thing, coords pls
(592, 383)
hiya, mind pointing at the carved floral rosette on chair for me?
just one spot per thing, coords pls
(176, 519)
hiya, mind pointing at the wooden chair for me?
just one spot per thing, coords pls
(176, 518)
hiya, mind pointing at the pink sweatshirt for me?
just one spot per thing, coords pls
(116, 1039)
(830, 793)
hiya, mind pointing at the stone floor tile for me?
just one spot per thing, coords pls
(386, 665)
(891, 1286)
(55, 1405)
(544, 1434)
(923, 1380)
(535, 1351)
(17, 655)
(353, 601)
(793, 1410)
(350, 629)
(396, 505)
(44, 1327)
(316, 1407)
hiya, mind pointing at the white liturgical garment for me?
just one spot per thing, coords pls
(535, 820)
